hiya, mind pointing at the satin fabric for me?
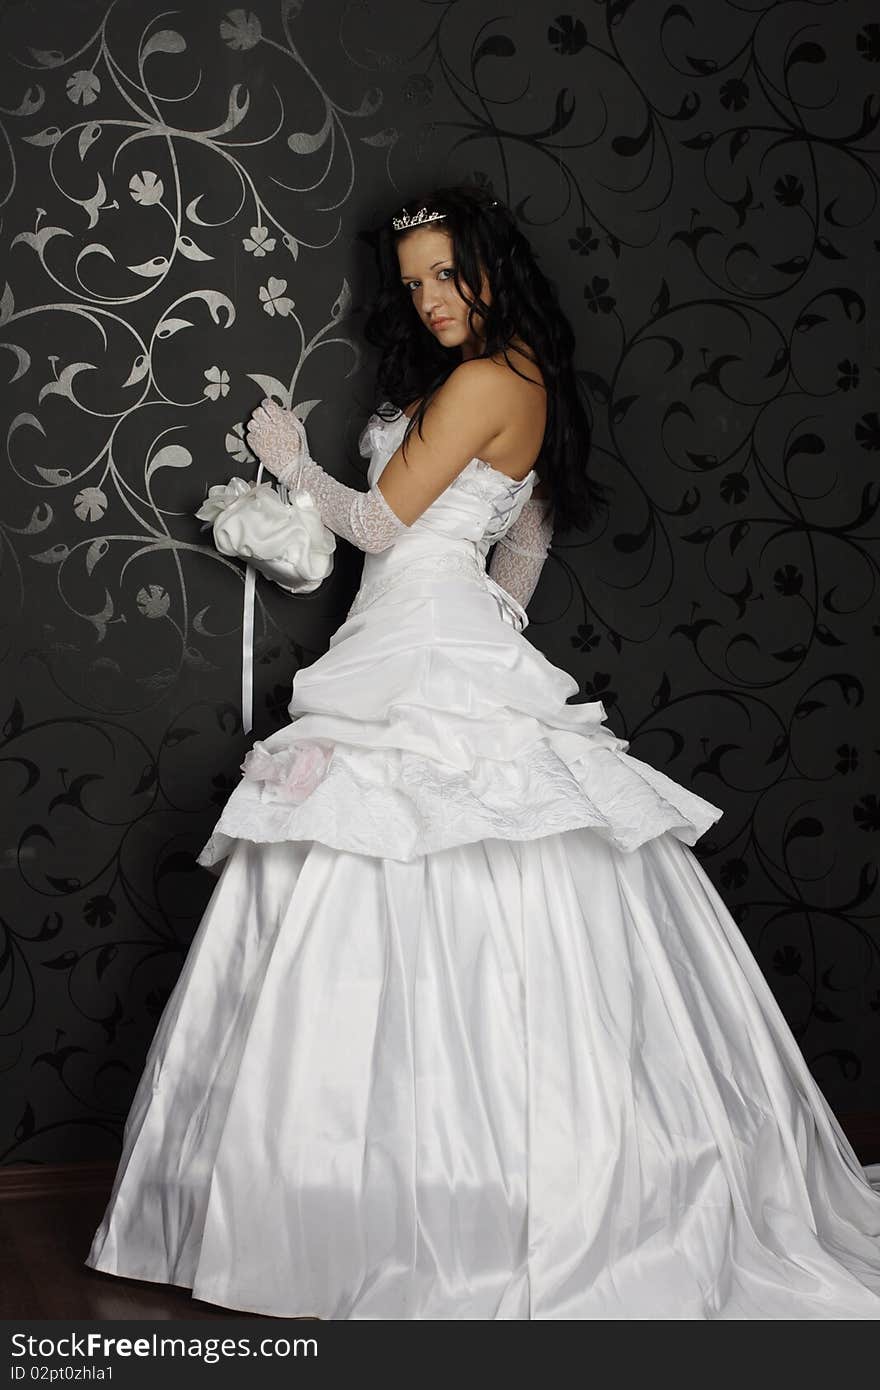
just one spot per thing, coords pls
(543, 1079)
(466, 1032)
(447, 724)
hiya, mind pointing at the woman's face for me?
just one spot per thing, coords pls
(425, 259)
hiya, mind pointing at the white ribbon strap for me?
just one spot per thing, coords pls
(512, 610)
(247, 642)
(247, 620)
(247, 653)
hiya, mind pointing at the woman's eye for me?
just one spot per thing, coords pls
(447, 270)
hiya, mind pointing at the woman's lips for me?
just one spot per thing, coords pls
(440, 323)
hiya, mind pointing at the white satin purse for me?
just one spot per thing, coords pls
(285, 540)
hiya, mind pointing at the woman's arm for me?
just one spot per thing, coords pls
(519, 555)
(466, 415)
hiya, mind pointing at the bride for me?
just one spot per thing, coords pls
(465, 1030)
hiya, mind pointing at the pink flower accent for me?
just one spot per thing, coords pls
(294, 771)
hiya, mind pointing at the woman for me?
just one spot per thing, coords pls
(466, 1031)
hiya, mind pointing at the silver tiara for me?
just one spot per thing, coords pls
(398, 223)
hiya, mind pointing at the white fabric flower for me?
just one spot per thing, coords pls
(222, 495)
(291, 774)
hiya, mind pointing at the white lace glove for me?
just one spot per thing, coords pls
(278, 438)
(519, 554)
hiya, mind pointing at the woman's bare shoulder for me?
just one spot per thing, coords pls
(521, 395)
(517, 361)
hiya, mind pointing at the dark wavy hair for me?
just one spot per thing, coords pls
(412, 363)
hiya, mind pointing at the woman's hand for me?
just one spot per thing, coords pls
(278, 438)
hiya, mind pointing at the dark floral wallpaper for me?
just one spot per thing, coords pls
(181, 193)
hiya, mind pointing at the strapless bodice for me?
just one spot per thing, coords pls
(453, 536)
(479, 505)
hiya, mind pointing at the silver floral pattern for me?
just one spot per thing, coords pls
(182, 196)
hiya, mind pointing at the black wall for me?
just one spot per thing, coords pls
(700, 179)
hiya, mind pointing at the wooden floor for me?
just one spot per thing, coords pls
(49, 1214)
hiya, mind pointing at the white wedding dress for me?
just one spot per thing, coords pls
(465, 1030)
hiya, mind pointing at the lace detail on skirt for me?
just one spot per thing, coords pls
(451, 563)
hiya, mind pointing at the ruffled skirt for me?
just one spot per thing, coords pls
(466, 1031)
(444, 726)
